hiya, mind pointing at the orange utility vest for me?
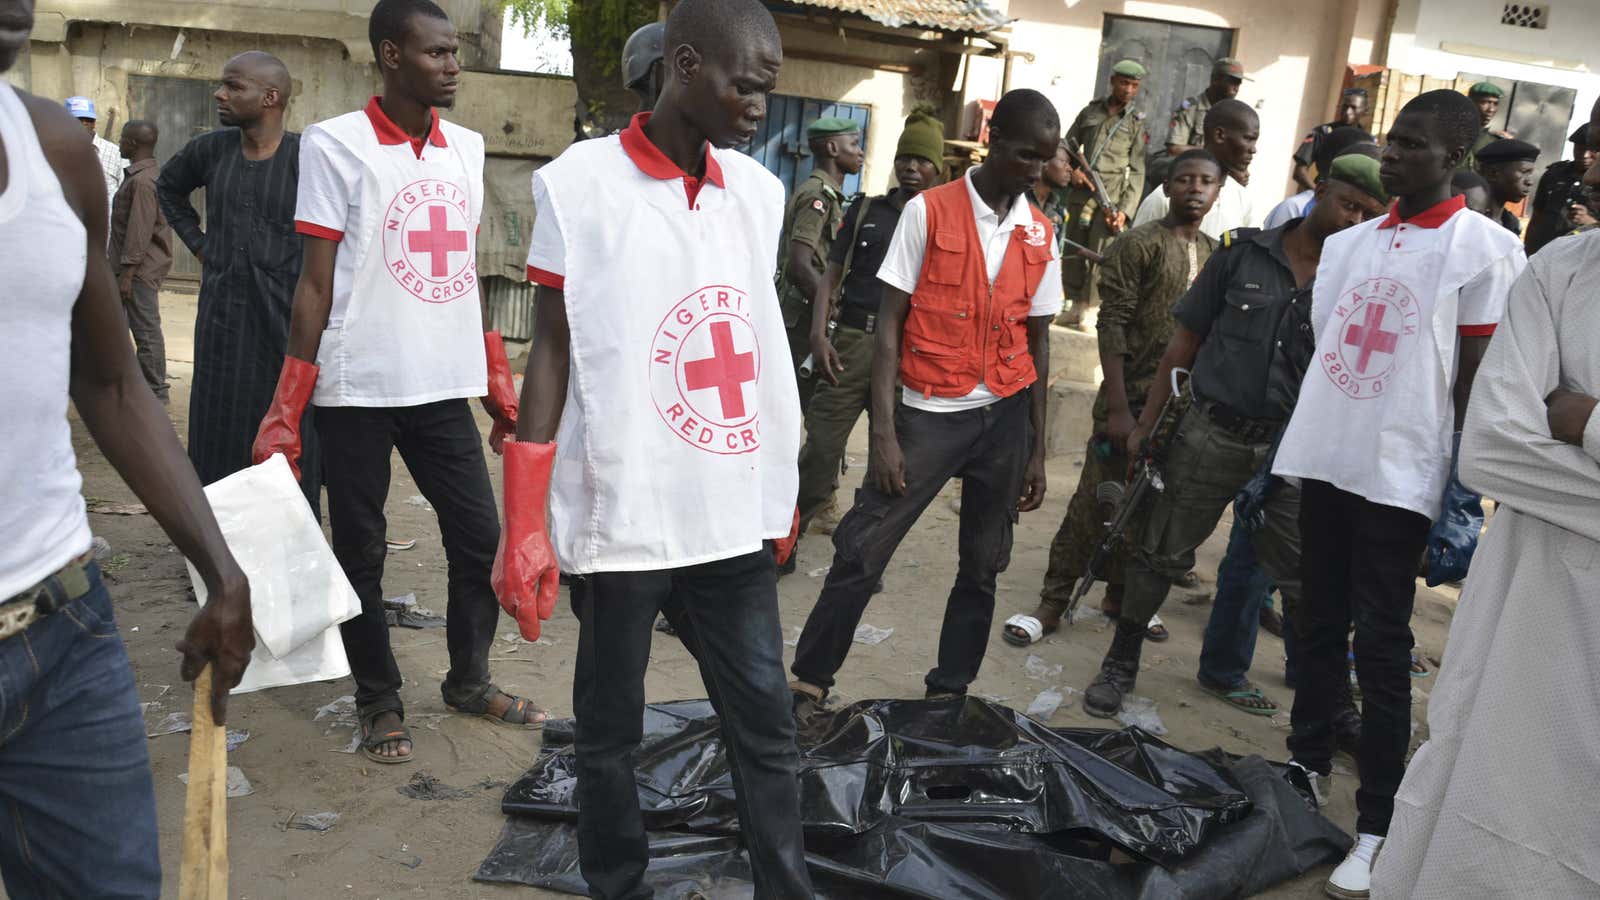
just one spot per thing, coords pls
(960, 330)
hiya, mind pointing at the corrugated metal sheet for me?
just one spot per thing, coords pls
(510, 305)
(960, 16)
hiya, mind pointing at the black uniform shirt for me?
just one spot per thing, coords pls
(862, 289)
(1256, 323)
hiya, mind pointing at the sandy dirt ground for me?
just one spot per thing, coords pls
(386, 845)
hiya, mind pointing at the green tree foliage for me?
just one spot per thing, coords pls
(597, 28)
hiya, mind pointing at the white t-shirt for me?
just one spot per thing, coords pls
(1290, 209)
(903, 265)
(1376, 413)
(1231, 210)
(406, 327)
(678, 441)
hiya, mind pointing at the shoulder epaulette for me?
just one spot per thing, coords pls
(1138, 114)
(1187, 102)
(1234, 235)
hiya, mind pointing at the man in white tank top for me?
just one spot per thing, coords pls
(74, 768)
(660, 370)
(386, 340)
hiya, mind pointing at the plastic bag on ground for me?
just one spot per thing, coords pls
(956, 800)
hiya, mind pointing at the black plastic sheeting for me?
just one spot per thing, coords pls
(946, 799)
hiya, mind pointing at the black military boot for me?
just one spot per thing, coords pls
(1118, 671)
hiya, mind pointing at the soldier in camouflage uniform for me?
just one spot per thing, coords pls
(1188, 120)
(1111, 136)
(810, 223)
(1144, 274)
(1486, 94)
(1352, 107)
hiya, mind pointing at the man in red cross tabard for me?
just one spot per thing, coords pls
(387, 341)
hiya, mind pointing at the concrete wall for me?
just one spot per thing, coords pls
(812, 68)
(1295, 52)
(1446, 37)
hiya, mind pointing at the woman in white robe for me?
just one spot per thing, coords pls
(1502, 799)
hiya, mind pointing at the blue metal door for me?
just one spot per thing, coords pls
(780, 142)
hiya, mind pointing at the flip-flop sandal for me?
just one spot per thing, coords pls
(1156, 631)
(520, 714)
(370, 742)
(1022, 630)
(1248, 698)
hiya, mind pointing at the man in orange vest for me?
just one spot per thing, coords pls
(971, 282)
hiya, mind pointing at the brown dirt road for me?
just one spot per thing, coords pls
(386, 845)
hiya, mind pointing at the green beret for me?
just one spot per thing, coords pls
(830, 127)
(1507, 150)
(1360, 172)
(1485, 89)
(1129, 68)
(1230, 67)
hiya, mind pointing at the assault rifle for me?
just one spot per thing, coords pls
(1080, 161)
(1129, 499)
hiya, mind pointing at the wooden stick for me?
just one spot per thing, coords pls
(204, 872)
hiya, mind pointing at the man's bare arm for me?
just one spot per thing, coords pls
(1033, 482)
(885, 464)
(313, 298)
(132, 430)
(544, 383)
(1472, 350)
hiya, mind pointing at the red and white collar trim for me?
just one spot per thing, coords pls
(651, 161)
(390, 134)
(1432, 217)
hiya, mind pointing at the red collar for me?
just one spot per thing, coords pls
(651, 161)
(1428, 218)
(390, 134)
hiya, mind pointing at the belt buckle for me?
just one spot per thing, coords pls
(16, 616)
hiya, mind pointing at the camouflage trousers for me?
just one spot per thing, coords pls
(1079, 278)
(1083, 529)
(830, 418)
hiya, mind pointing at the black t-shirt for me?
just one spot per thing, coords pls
(862, 289)
(1256, 323)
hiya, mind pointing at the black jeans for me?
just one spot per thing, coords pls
(1359, 564)
(988, 450)
(443, 450)
(732, 608)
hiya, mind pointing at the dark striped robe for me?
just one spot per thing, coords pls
(250, 262)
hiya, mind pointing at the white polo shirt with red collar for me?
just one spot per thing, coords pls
(678, 442)
(405, 328)
(1376, 411)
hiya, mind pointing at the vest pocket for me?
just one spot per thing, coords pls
(947, 258)
(1034, 262)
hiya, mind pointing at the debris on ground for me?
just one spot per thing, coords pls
(409, 860)
(1140, 712)
(173, 723)
(795, 640)
(100, 547)
(318, 821)
(1089, 614)
(236, 738)
(342, 708)
(871, 635)
(423, 786)
(403, 612)
(399, 546)
(107, 508)
(818, 572)
(1036, 668)
(1045, 705)
(238, 785)
(417, 500)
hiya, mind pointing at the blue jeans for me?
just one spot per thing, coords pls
(1230, 639)
(79, 807)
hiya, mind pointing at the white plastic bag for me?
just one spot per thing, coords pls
(298, 593)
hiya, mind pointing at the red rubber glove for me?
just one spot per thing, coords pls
(526, 576)
(501, 401)
(280, 427)
(783, 548)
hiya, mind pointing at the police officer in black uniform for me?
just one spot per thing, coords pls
(1560, 187)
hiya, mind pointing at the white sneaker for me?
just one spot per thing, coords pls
(1319, 785)
(1352, 880)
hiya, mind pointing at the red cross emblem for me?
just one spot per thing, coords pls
(438, 241)
(1369, 337)
(724, 370)
(705, 366)
(427, 241)
(1375, 329)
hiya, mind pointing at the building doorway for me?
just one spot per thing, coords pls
(181, 108)
(780, 144)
